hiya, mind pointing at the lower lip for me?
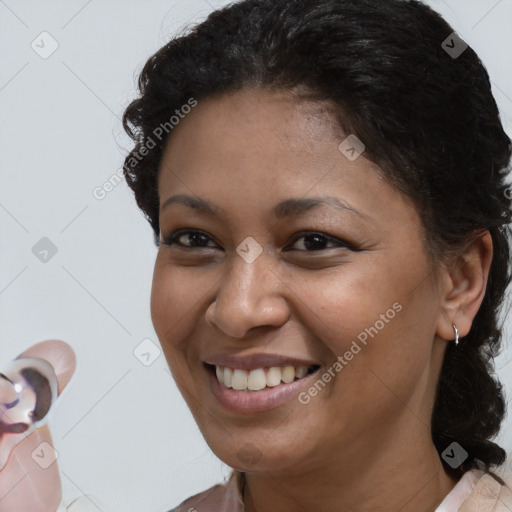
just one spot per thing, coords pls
(258, 401)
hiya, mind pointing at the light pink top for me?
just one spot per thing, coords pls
(474, 492)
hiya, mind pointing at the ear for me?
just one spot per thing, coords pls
(465, 282)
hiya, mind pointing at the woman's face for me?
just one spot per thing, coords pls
(344, 287)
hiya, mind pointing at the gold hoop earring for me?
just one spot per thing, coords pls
(456, 334)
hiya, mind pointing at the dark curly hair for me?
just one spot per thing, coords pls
(427, 118)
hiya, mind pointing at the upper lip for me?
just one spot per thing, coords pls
(254, 361)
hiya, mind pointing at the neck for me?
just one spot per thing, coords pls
(406, 475)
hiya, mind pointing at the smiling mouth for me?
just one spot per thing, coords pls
(261, 378)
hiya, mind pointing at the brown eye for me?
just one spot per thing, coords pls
(196, 239)
(314, 241)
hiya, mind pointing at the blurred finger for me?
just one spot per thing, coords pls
(31, 481)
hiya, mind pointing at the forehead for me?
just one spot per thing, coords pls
(255, 148)
(271, 133)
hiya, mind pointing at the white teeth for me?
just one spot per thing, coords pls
(258, 379)
(301, 371)
(273, 376)
(239, 381)
(228, 376)
(288, 374)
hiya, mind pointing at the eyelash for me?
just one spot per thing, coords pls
(174, 237)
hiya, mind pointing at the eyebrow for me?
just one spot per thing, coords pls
(287, 208)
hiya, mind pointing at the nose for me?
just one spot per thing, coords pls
(249, 296)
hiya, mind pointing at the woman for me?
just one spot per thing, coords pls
(325, 181)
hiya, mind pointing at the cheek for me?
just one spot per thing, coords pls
(173, 296)
(173, 321)
(370, 323)
(349, 303)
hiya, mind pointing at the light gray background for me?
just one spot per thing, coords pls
(122, 431)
